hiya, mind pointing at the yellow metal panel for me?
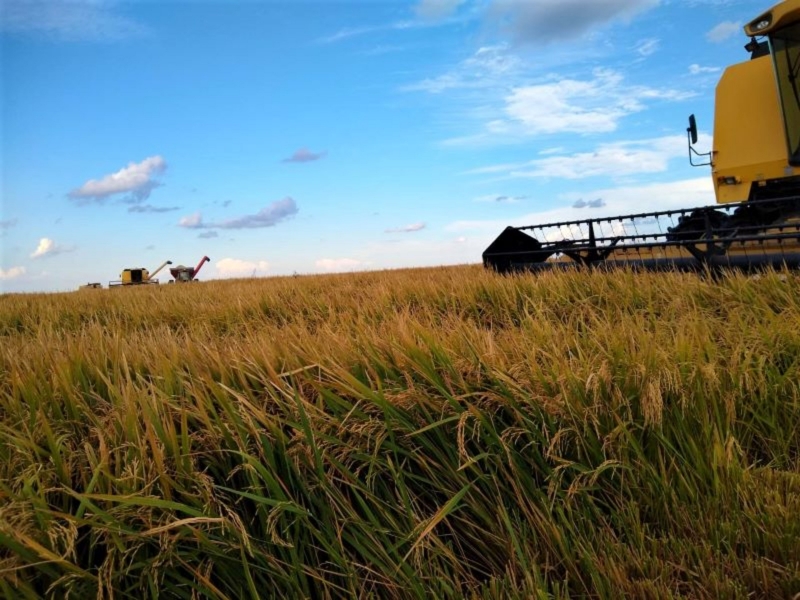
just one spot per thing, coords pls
(749, 141)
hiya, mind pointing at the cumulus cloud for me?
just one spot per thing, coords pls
(48, 247)
(12, 273)
(234, 267)
(338, 264)
(407, 228)
(433, 10)
(149, 208)
(613, 159)
(74, 21)
(596, 203)
(8, 223)
(543, 21)
(723, 31)
(137, 180)
(304, 155)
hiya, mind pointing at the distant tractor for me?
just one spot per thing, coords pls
(138, 276)
(184, 274)
(92, 286)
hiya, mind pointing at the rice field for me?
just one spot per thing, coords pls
(432, 433)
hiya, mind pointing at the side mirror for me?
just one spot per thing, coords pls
(691, 133)
(692, 129)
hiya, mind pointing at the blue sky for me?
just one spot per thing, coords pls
(312, 137)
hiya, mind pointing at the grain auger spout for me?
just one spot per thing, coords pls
(755, 169)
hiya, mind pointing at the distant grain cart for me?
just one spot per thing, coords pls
(138, 276)
(183, 274)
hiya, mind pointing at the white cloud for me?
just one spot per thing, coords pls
(339, 264)
(407, 228)
(436, 9)
(48, 247)
(583, 106)
(723, 31)
(612, 159)
(591, 106)
(76, 20)
(514, 100)
(137, 179)
(696, 69)
(12, 273)
(542, 21)
(234, 267)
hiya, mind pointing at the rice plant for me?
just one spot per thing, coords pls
(431, 433)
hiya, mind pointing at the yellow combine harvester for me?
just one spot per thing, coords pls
(755, 166)
(138, 276)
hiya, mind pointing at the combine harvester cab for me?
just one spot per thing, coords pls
(183, 274)
(755, 166)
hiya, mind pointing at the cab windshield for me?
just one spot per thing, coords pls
(786, 52)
